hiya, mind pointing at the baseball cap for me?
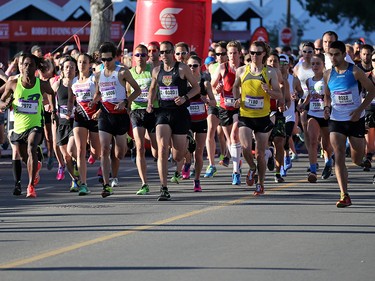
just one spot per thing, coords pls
(35, 48)
(284, 58)
(209, 60)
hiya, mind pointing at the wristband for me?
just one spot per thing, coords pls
(186, 97)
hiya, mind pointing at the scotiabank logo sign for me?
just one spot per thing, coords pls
(168, 21)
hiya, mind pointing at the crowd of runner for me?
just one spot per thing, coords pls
(238, 104)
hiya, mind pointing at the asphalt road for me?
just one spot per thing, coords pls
(293, 232)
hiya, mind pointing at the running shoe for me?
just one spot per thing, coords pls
(287, 163)
(259, 189)
(17, 191)
(294, 157)
(317, 168)
(143, 190)
(236, 179)
(176, 177)
(83, 190)
(50, 163)
(185, 173)
(210, 172)
(75, 186)
(107, 191)
(366, 164)
(75, 169)
(327, 172)
(91, 160)
(192, 173)
(31, 191)
(271, 160)
(100, 175)
(344, 201)
(114, 182)
(312, 178)
(60, 173)
(37, 176)
(224, 162)
(197, 187)
(283, 172)
(250, 177)
(221, 157)
(164, 194)
(279, 179)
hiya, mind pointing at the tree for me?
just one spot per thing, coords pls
(358, 13)
(101, 19)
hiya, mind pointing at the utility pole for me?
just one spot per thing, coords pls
(261, 5)
(288, 14)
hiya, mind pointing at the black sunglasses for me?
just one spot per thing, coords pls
(256, 53)
(106, 59)
(167, 52)
(373, 60)
(181, 53)
(308, 52)
(221, 54)
(140, 55)
(195, 65)
(318, 49)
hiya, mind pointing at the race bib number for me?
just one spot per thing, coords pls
(254, 102)
(343, 98)
(168, 93)
(27, 106)
(109, 94)
(229, 101)
(83, 96)
(197, 108)
(317, 105)
(142, 97)
(63, 110)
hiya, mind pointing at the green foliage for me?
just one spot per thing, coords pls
(357, 13)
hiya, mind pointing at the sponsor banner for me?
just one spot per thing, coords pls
(37, 31)
(175, 21)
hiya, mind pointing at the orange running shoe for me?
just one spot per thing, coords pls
(31, 192)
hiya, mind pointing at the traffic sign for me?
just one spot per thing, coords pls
(286, 35)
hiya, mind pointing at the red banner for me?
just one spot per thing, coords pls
(260, 34)
(183, 20)
(37, 31)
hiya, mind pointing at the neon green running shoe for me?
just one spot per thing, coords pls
(176, 177)
(75, 186)
(143, 190)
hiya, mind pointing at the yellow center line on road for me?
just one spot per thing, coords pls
(79, 245)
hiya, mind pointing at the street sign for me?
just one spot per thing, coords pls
(286, 35)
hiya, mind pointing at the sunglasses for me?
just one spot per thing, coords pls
(181, 53)
(373, 60)
(140, 55)
(221, 54)
(106, 59)
(256, 53)
(195, 65)
(308, 52)
(318, 49)
(152, 51)
(167, 52)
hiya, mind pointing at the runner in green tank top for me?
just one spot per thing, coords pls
(25, 95)
(140, 119)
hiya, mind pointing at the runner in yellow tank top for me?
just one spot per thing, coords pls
(25, 95)
(258, 84)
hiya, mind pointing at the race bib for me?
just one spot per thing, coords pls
(317, 105)
(142, 97)
(27, 106)
(229, 101)
(168, 93)
(63, 110)
(109, 94)
(343, 98)
(197, 108)
(254, 102)
(83, 96)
